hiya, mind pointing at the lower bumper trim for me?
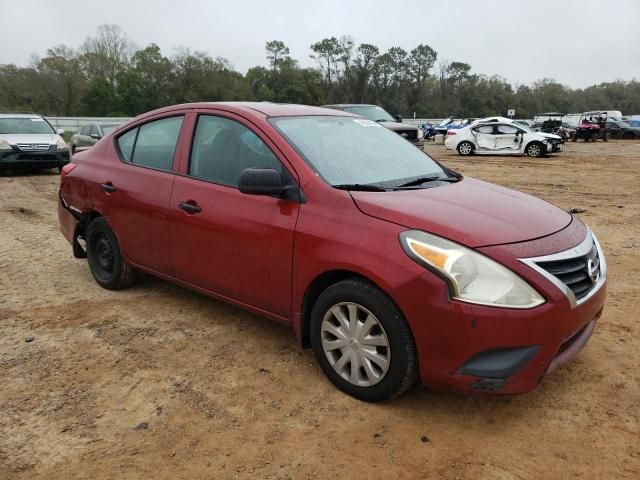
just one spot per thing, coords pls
(499, 363)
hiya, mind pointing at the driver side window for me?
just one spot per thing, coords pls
(223, 148)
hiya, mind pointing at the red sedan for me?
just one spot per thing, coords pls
(390, 265)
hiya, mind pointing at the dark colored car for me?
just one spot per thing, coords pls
(28, 141)
(391, 266)
(378, 114)
(620, 129)
(89, 135)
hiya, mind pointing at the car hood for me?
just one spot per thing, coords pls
(549, 135)
(471, 212)
(398, 126)
(14, 138)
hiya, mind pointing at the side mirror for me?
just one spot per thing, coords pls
(399, 118)
(60, 131)
(261, 181)
(95, 135)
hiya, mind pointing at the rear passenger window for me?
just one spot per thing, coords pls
(223, 148)
(485, 129)
(125, 144)
(152, 144)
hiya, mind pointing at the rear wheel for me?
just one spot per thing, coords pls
(465, 148)
(607, 136)
(535, 149)
(362, 341)
(106, 263)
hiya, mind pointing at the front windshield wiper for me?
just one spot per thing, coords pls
(420, 180)
(383, 120)
(362, 187)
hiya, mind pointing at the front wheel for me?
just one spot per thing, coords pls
(362, 341)
(465, 148)
(535, 149)
(106, 262)
(607, 136)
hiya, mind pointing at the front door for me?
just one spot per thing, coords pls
(236, 245)
(506, 138)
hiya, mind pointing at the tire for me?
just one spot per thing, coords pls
(574, 138)
(465, 148)
(535, 149)
(106, 263)
(73, 150)
(388, 338)
(606, 136)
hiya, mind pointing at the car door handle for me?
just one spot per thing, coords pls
(189, 207)
(108, 187)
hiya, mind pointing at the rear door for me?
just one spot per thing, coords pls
(485, 138)
(235, 245)
(138, 191)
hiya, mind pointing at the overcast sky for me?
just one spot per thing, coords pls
(577, 42)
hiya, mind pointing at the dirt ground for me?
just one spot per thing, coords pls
(216, 392)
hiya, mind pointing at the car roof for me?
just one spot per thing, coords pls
(265, 108)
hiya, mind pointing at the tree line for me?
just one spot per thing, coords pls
(107, 76)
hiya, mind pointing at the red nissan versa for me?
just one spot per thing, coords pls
(388, 264)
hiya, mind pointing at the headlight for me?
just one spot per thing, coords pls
(420, 133)
(471, 276)
(4, 145)
(61, 144)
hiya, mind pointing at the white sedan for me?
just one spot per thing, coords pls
(502, 138)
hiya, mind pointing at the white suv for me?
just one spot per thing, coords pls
(29, 141)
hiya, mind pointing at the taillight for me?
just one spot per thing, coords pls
(68, 168)
(451, 132)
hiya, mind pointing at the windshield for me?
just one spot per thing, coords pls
(372, 112)
(524, 127)
(346, 150)
(107, 129)
(25, 125)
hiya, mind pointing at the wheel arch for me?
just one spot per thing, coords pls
(540, 142)
(315, 288)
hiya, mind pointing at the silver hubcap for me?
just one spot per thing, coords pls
(534, 150)
(465, 149)
(355, 344)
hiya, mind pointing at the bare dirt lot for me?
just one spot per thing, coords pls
(225, 394)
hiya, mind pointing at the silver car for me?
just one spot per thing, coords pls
(29, 141)
(89, 135)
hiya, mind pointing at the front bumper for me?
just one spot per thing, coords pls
(553, 147)
(473, 348)
(39, 160)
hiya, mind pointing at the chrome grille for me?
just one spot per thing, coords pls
(33, 147)
(579, 274)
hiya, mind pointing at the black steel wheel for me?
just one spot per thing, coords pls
(106, 263)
